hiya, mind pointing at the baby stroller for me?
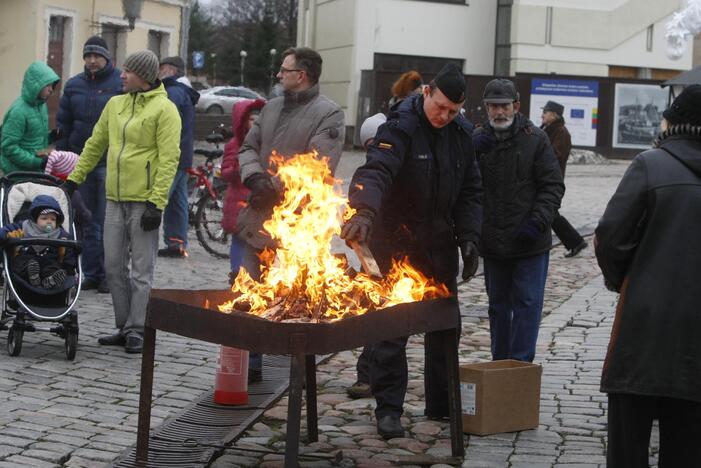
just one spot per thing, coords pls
(22, 303)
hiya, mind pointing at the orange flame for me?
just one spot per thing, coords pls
(302, 269)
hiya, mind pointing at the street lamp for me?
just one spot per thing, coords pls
(132, 10)
(214, 68)
(273, 53)
(243, 55)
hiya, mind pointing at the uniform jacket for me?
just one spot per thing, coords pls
(522, 183)
(291, 124)
(561, 141)
(425, 186)
(25, 126)
(84, 97)
(649, 235)
(142, 132)
(184, 98)
(236, 192)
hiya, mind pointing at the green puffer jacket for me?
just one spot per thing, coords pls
(25, 127)
(142, 133)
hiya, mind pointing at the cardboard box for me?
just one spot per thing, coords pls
(499, 396)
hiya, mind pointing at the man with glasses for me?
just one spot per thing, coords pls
(299, 121)
(522, 192)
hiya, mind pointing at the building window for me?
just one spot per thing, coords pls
(158, 42)
(116, 38)
(650, 35)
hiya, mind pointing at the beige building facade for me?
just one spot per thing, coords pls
(55, 31)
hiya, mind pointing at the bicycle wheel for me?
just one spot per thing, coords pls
(208, 228)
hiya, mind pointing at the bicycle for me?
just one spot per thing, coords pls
(206, 199)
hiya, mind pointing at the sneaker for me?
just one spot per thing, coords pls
(103, 288)
(576, 250)
(118, 339)
(172, 253)
(134, 343)
(359, 390)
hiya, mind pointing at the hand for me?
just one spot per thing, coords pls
(470, 259)
(263, 194)
(43, 153)
(529, 231)
(151, 217)
(483, 142)
(359, 227)
(69, 187)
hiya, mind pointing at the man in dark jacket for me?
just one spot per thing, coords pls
(418, 196)
(175, 216)
(84, 97)
(522, 191)
(554, 126)
(647, 247)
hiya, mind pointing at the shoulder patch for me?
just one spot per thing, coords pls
(384, 145)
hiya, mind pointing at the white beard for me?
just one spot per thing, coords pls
(501, 125)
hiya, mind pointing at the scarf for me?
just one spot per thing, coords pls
(678, 129)
(33, 231)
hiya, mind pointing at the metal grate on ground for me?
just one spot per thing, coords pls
(211, 423)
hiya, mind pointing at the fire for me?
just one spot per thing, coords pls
(302, 279)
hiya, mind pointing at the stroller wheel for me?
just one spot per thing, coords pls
(71, 342)
(14, 341)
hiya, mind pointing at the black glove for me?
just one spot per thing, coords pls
(470, 259)
(151, 217)
(263, 193)
(359, 227)
(69, 187)
(529, 231)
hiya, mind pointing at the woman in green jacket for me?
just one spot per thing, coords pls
(25, 127)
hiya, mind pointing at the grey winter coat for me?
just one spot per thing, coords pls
(290, 124)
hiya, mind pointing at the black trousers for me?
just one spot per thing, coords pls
(363, 365)
(630, 420)
(565, 232)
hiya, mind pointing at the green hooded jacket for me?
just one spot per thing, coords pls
(25, 126)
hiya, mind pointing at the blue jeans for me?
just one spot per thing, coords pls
(515, 288)
(92, 190)
(236, 253)
(175, 216)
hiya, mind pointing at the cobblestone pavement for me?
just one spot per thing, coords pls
(84, 413)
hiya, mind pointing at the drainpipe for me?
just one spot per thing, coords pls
(185, 30)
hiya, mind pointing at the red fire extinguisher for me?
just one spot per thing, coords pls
(231, 380)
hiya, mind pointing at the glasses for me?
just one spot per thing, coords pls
(284, 70)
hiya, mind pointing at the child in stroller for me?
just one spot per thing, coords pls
(43, 266)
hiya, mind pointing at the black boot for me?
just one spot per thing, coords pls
(390, 427)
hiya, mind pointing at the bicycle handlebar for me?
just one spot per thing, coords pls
(213, 154)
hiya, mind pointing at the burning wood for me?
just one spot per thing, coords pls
(302, 280)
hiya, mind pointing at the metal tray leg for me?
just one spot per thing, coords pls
(294, 410)
(145, 394)
(451, 348)
(312, 419)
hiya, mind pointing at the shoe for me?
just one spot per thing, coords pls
(576, 250)
(255, 375)
(89, 283)
(359, 390)
(439, 416)
(390, 427)
(103, 288)
(118, 339)
(134, 343)
(172, 253)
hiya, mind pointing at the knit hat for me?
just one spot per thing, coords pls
(43, 204)
(451, 82)
(176, 61)
(552, 106)
(96, 45)
(686, 108)
(369, 128)
(144, 64)
(500, 91)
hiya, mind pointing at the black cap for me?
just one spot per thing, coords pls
(451, 82)
(96, 45)
(552, 106)
(176, 61)
(686, 107)
(500, 91)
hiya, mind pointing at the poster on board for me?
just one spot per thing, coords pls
(581, 101)
(637, 113)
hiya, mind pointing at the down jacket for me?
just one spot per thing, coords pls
(236, 192)
(184, 98)
(649, 236)
(84, 97)
(522, 184)
(142, 132)
(25, 127)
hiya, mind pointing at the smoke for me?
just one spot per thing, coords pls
(683, 25)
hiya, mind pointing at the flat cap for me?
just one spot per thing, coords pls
(552, 106)
(500, 91)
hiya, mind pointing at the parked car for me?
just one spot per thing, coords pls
(220, 99)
